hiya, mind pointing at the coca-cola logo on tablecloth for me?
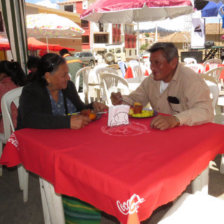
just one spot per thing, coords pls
(134, 128)
(131, 206)
(13, 140)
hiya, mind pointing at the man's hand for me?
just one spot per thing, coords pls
(98, 107)
(116, 98)
(164, 122)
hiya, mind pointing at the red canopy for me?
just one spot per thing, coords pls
(33, 44)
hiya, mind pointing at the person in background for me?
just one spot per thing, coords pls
(32, 65)
(11, 77)
(171, 89)
(45, 104)
(74, 64)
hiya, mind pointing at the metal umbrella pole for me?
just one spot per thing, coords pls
(14, 19)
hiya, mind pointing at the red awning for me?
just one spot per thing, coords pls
(34, 44)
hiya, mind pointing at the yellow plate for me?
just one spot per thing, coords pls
(145, 113)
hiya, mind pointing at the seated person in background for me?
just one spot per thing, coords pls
(74, 64)
(11, 76)
(171, 89)
(32, 65)
(44, 104)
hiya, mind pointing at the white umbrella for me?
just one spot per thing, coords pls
(182, 23)
(51, 26)
(128, 11)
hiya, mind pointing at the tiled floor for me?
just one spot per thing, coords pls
(14, 211)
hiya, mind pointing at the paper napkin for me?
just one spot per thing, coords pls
(118, 115)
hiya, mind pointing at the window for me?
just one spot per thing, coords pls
(84, 4)
(118, 50)
(129, 52)
(101, 27)
(84, 24)
(85, 39)
(70, 8)
(101, 38)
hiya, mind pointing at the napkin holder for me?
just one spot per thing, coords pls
(118, 115)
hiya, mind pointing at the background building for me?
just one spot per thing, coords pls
(98, 36)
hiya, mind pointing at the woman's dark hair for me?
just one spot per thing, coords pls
(169, 50)
(48, 63)
(14, 71)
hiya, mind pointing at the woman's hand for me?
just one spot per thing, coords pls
(79, 121)
(98, 107)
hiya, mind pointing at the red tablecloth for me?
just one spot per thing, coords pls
(108, 167)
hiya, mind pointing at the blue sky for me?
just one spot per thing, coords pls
(47, 3)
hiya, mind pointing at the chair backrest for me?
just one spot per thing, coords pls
(113, 83)
(215, 73)
(214, 90)
(198, 68)
(8, 98)
(213, 61)
(190, 61)
(105, 70)
(137, 70)
(82, 74)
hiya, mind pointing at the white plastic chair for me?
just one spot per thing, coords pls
(190, 61)
(215, 73)
(8, 98)
(213, 61)
(198, 68)
(84, 72)
(137, 70)
(113, 83)
(51, 203)
(99, 70)
(214, 90)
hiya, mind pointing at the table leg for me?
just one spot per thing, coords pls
(201, 182)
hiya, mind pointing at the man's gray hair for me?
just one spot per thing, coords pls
(169, 50)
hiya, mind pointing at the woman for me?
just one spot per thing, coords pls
(11, 76)
(44, 104)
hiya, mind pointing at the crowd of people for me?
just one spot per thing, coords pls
(49, 99)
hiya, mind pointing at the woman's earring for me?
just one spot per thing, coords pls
(48, 81)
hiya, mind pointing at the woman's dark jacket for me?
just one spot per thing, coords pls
(35, 107)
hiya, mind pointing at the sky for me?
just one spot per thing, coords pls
(47, 3)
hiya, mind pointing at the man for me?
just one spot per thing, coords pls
(74, 64)
(171, 89)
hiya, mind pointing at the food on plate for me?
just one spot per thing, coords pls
(144, 114)
(89, 113)
(137, 109)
